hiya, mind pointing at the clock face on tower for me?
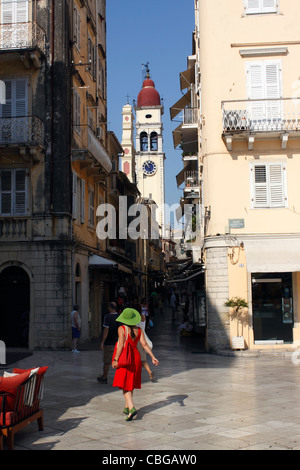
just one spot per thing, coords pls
(149, 167)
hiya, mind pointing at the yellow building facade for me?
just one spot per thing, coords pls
(249, 160)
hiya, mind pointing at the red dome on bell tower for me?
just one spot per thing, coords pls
(148, 96)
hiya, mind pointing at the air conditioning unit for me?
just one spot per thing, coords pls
(99, 132)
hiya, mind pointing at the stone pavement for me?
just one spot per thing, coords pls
(199, 401)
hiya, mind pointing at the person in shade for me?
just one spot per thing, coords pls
(129, 378)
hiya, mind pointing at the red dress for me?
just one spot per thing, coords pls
(129, 378)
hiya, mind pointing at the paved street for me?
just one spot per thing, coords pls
(199, 401)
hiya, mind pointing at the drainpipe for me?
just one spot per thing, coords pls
(52, 102)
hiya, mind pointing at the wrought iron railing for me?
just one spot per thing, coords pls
(191, 179)
(279, 114)
(22, 36)
(21, 130)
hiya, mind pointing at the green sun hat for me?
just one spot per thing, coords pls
(129, 316)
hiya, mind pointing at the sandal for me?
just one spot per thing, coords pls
(132, 414)
(126, 411)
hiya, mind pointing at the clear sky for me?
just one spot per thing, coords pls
(158, 32)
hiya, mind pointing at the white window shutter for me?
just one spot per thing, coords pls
(269, 6)
(268, 185)
(273, 88)
(255, 87)
(21, 11)
(253, 6)
(260, 186)
(7, 11)
(276, 185)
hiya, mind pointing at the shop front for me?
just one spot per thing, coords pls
(272, 308)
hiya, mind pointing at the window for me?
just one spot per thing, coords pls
(268, 185)
(144, 141)
(76, 112)
(13, 12)
(77, 27)
(153, 141)
(264, 83)
(13, 122)
(13, 192)
(253, 7)
(78, 202)
(91, 206)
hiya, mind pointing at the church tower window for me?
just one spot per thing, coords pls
(144, 141)
(153, 142)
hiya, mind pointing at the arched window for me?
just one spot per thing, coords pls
(153, 141)
(144, 141)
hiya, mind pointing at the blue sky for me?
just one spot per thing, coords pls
(158, 32)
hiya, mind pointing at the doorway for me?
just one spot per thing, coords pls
(15, 307)
(272, 303)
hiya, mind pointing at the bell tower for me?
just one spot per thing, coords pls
(150, 171)
(128, 159)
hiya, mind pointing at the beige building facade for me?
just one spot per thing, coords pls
(249, 161)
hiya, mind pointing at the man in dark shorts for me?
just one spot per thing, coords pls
(109, 339)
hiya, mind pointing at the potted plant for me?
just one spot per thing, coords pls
(239, 312)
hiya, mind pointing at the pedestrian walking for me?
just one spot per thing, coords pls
(76, 328)
(142, 325)
(129, 378)
(146, 312)
(109, 338)
(173, 305)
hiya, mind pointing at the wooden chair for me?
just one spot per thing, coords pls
(26, 409)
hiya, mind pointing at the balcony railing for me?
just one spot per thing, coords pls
(22, 36)
(272, 115)
(85, 140)
(190, 116)
(15, 228)
(21, 130)
(191, 179)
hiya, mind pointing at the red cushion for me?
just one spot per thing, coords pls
(10, 385)
(8, 418)
(41, 371)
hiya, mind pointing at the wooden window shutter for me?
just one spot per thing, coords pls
(20, 192)
(82, 208)
(6, 187)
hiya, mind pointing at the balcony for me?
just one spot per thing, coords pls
(25, 132)
(250, 119)
(87, 148)
(26, 37)
(191, 189)
(15, 228)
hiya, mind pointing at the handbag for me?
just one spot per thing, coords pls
(125, 358)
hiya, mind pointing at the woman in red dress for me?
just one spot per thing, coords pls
(128, 378)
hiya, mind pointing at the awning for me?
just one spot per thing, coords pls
(187, 78)
(96, 261)
(184, 101)
(188, 165)
(177, 136)
(273, 255)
